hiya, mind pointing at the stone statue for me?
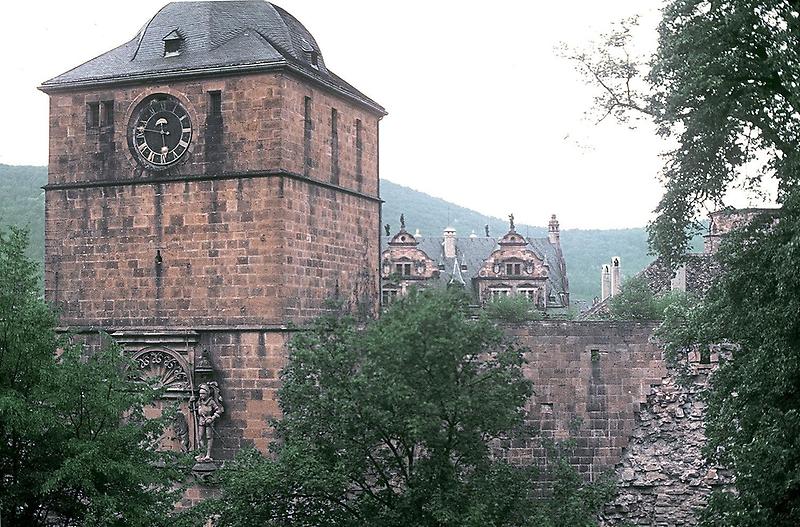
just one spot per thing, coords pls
(388, 229)
(207, 411)
(511, 222)
(402, 222)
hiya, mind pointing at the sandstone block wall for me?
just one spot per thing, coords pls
(274, 210)
(590, 380)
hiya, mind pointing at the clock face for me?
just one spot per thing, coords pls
(159, 132)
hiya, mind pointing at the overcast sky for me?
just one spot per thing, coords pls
(482, 112)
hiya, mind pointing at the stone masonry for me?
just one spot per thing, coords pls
(663, 479)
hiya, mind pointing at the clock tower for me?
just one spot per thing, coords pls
(211, 182)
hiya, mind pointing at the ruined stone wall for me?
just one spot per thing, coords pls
(663, 479)
(606, 386)
(589, 379)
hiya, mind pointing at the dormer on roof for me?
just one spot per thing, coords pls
(403, 238)
(173, 43)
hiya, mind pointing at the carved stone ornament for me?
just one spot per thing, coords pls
(165, 367)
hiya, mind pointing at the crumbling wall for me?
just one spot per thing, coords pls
(663, 478)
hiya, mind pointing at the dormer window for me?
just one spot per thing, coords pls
(513, 269)
(311, 53)
(173, 44)
(403, 268)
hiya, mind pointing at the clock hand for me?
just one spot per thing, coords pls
(162, 132)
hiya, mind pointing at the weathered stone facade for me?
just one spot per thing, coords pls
(590, 380)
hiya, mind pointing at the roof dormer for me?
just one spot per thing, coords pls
(173, 44)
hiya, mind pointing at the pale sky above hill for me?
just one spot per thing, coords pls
(482, 112)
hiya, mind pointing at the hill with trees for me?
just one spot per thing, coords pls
(22, 203)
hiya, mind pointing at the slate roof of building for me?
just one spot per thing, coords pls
(218, 38)
(473, 251)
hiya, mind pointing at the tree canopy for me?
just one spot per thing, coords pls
(723, 85)
(75, 448)
(403, 423)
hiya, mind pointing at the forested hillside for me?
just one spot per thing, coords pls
(22, 203)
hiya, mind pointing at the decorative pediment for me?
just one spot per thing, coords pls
(403, 239)
(511, 238)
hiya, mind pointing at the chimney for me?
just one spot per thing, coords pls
(605, 283)
(616, 283)
(449, 242)
(553, 233)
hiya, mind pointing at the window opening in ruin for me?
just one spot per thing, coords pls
(529, 294)
(215, 103)
(499, 293)
(93, 114)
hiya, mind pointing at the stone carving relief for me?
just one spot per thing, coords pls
(166, 368)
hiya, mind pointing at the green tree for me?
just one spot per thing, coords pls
(723, 85)
(636, 301)
(75, 448)
(753, 420)
(514, 308)
(402, 423)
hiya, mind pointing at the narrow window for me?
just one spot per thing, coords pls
(359, 154)
(215, 103)
(334, 146)
(307, 129)
(107, 113)
(93, 114)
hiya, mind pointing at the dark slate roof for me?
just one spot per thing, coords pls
(474, 251)
(218, 37)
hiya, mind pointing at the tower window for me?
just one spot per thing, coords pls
(215, 103)
(334, 146)
(107, 113)
(92, 114)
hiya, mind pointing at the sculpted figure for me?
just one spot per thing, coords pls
(209, 409)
